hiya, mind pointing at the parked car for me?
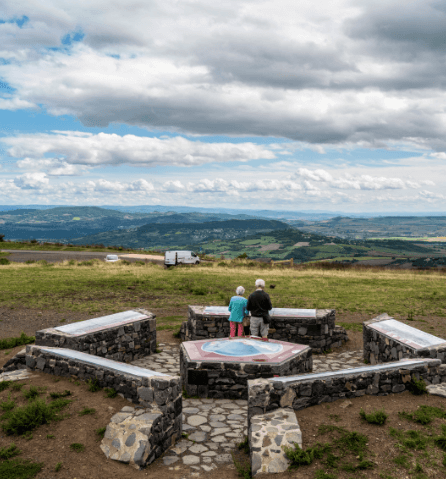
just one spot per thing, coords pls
(112, 258)
(172, 258)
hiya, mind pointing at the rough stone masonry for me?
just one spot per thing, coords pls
(124, 336)
(315, 328)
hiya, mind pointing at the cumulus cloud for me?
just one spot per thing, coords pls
(332, 73)
(101, 149)
(52, 166)
(354, 182)
(32, 181)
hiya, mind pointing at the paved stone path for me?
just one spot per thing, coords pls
(213, 427)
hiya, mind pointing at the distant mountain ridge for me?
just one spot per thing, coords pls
(66, 223)
(168, 235)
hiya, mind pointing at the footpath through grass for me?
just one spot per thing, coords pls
(94, 286)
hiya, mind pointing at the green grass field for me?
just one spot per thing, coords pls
(94, 285)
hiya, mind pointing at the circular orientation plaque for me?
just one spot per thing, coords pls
(241, 347)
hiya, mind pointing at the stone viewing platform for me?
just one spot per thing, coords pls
(313, 327)
(221, 368)
(386, 339)
(123, 336)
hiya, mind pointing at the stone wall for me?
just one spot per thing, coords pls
(382, 347)
(122, 343)
(269, 434)
(229, 380)
(319, 332)
(16, 362)
(159, 392)
(137, 436)
(300, 392)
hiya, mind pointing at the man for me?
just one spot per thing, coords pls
(259, 304)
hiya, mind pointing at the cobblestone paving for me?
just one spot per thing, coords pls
(215, 426)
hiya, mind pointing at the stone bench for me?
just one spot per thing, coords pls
(313, 327)
(123, 336)
(386, 339)
(268, 435)
(158, 398)
(300, 392)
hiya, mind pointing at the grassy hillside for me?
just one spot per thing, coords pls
(304, 247)
(93, 286)
(382, 226)
(169, 235)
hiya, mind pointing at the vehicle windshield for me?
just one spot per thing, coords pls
(194, 255)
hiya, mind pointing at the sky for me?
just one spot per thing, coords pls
(332, 105)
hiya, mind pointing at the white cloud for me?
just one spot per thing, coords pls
(338, 72)
(52, 166)
(354, 182)
(32, 181)
(101, 149)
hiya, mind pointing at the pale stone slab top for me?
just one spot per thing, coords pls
(406, 334)
(403, 364)
(103, 362)
(104, 322)
(286, 312)
(241, 350)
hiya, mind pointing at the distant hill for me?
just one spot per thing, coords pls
(379, 227)
(66, 223)
(304, 247)
(168, 235)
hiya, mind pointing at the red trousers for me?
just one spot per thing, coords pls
(240, 329)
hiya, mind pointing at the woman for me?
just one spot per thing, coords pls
(237, 308)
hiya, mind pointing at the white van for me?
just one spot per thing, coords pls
(172, 258)
(112, 258)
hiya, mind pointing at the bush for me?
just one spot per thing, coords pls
(4, 261)
(417, 387)
(27, 418)
(10, 451)
(110, 393)
(32, 392)
(60, 395)
(377, 417)
(93, 385)
(9, 343)
(100, 432)
(20, 469)
(77, 447)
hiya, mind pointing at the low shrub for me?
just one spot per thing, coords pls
(110, 393)
(7, 405)
(417, 387)
(60, 395)
(77, 447)
(31, 393)
(9, 343)
(27, 418)
(100, 432)
(377, 417)
(9, 451)
(93, 385)
(424, 414)
(4, 385)
(20, 469)
(87, 410)
(4, 261)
